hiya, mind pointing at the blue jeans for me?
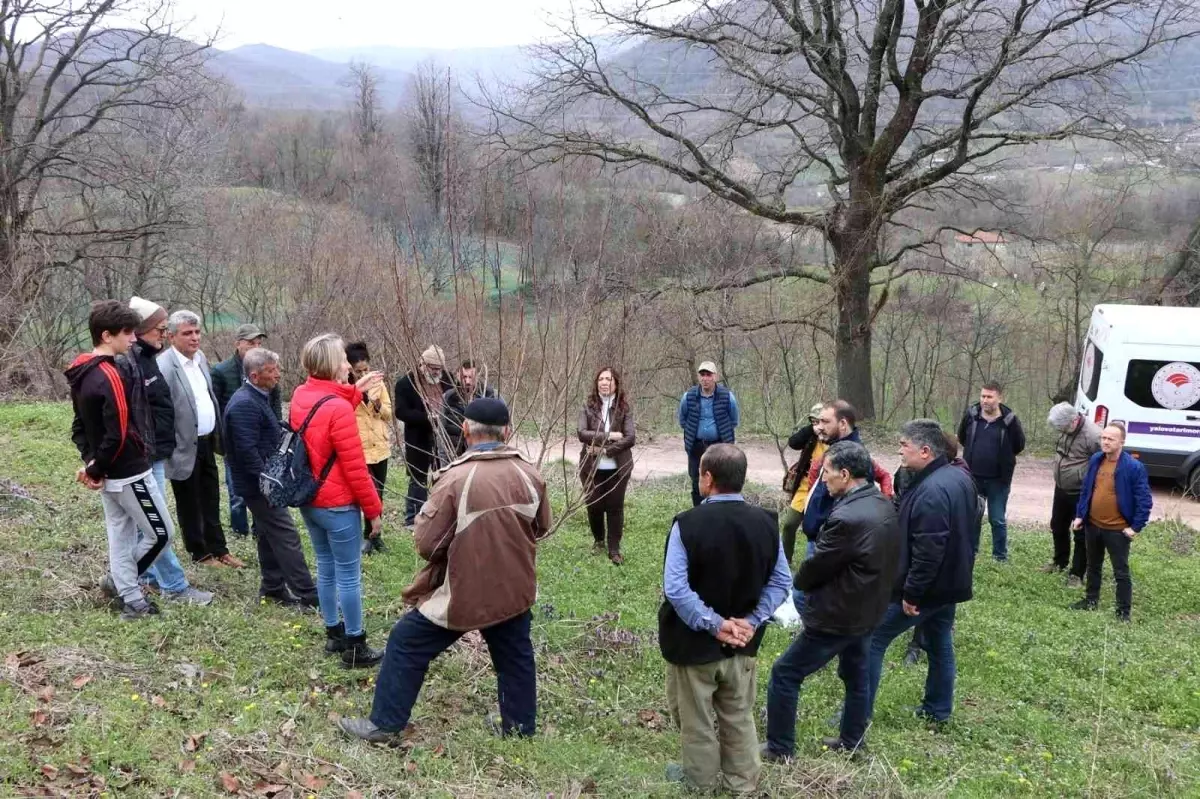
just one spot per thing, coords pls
(937, 624)
(414, 643)
(808, 654)
(797, 594)
(995, 492)
(238, 520)
(336, 535)
(166, 572)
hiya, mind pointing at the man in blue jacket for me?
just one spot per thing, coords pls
(940, 524)
(253, 433)
(1114, 506)
(708, 414)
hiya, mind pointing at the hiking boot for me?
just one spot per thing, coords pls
(189, 596)
(134, 611)
(365, 729)
(1074, 581)
(309, 601)
(335, 639)
(280, 596)
(1083, 604)
(769, 756)
(358, 655)
(213, 561)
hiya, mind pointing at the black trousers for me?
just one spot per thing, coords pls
(198, 503)
(694, 456)
(1116, 543)
(605, 500)
(379, 477)
(418, 462)
(1061, 516)
(280, 556)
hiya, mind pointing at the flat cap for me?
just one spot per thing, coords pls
(488, 410)
(248, 333)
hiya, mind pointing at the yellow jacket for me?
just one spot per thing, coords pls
(375, 426)
(800, 498)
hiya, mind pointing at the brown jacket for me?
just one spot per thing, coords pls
(479, 531)
(591, 434)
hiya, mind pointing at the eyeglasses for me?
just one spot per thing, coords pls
(161, 329)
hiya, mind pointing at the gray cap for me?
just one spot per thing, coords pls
(248, 333)
(1061, 416)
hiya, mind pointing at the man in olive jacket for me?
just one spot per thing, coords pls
(1078, 441)
(479, 532)
(848, 583)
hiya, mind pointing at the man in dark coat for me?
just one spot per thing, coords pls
(848, 583)
(939, 523)
(252, 434)
(227, 377)
(418, 401)
(992, 437)
(467, 387)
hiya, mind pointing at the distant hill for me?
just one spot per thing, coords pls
(504, 62)
(271, 77)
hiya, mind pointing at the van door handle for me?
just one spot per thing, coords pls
(1193, 418)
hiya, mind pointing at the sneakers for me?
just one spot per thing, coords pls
(1123, 616)
(365, 730)
(1074, 582)
(769, 756)
(1083, 604)
(189, 596)
(133, 611)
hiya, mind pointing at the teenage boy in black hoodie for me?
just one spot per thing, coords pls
(115, 457)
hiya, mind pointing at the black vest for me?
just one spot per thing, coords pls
(732, 549)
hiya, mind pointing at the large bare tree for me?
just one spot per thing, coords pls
(886, 105)
(73, 75)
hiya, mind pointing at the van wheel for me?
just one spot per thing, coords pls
(1193, 483)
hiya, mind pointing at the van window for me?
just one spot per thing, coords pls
(1140, 381)
(1089, 370)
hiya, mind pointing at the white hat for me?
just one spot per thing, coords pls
(150, 313)
(707, 366)
(434, 356)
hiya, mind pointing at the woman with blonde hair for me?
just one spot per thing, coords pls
(324, 406)
(606, 463)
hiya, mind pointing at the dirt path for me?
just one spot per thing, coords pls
(1032, 494)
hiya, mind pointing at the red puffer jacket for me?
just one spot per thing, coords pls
(334, 429)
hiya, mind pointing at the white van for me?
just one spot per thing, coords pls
(1141, 367)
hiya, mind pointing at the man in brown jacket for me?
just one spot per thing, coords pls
(1078, 441)
(479, 531)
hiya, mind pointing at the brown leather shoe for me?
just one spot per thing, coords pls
(231, 561)
(616, 557)
(211, 560)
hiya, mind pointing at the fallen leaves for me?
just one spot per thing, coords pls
(187, 766)
(287, 729)
(158, 702)
(651, 719)
(80, 681)
(194, 742)
(230, 783)
(313, 783)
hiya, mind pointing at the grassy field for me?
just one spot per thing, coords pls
(238, 696)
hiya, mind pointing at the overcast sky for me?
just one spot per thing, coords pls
(310, 24)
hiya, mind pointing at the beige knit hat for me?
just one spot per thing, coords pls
(151, 313)
(434, 356)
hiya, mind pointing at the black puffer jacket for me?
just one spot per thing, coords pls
(160, 433)
(848, 580)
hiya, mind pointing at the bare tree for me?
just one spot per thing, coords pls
(890, 104)
(72, 74)
(428, 119)
(363, 80)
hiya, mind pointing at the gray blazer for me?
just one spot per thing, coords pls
(183, 460)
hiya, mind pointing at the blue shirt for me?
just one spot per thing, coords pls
(266, 394)
(707, 430)
(688, 604)
(486, 446)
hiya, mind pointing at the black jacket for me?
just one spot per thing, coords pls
(252, 433)
(160, 433)
(848, 580)
(109, 406)
(1012, 438)
(453, 408)
(940, 522)
(409, 408)
(227, 378)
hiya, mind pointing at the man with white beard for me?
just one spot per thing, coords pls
(419, 397)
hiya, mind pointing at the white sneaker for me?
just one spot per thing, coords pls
(189, 596)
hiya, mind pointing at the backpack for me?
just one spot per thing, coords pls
(287, 479)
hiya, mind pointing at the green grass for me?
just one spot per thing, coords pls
(1049, 702)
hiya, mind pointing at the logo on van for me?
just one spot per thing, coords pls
(1176, 386)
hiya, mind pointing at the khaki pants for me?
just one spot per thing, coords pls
(724, 690)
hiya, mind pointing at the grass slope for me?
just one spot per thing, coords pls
(238, 696)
